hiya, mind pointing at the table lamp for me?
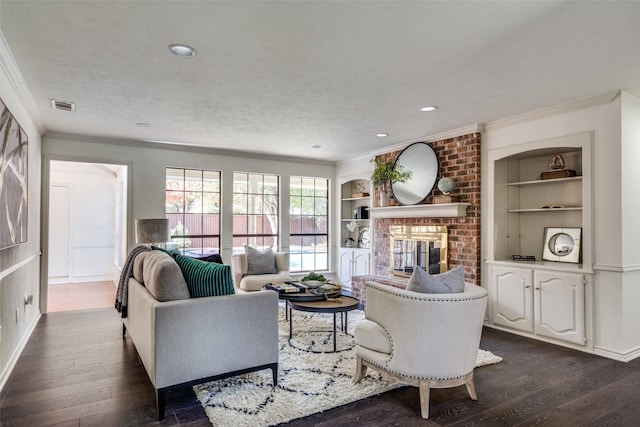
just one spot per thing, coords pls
(152, 230)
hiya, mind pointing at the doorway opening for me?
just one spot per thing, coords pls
(87, 234)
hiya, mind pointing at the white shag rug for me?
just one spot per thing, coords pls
(308, 382)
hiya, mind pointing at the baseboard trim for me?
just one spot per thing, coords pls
(18, 351)
(627, 356)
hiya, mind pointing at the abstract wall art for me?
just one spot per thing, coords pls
(13, 180)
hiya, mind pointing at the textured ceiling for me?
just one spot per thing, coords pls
(279, 77)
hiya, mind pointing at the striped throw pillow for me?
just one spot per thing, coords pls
(205, 279)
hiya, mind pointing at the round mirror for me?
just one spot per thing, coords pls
(561, 244)
(421, 159)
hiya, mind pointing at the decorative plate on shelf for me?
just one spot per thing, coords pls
(364, 238)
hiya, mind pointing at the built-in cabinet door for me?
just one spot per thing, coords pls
(360, 263)
(353, 262)
(345, 266)
(512, 298)
(559, 306)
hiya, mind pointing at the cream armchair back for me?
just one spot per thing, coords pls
(255, 282)
(423, 340)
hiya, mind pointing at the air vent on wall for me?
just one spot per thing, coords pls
(63, 105)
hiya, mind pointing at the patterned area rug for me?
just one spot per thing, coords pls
(307, 382)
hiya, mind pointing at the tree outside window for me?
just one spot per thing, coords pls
(192, 205)
(256, 210)
(309, 219)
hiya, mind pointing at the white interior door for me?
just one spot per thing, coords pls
(59, 229)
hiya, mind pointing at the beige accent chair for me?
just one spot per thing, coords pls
(423, 340)
(255, 282)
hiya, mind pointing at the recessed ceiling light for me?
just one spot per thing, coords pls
(429, 108)
(381, 135)
(143, 124)
(182, 50)
(316, 146)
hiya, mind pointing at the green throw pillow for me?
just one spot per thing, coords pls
(170, 252)
(205, 279)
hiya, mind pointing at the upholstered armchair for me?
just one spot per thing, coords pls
(423, 340)
(244, 280)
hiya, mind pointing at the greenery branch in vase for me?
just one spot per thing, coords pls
(386, 174)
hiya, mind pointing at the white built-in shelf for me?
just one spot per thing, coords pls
(568, 208)
(349, 199)
(544, 265)
(354, 219)
(544, 181)
(421, 211)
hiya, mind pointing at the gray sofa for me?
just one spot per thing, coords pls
(185, 341)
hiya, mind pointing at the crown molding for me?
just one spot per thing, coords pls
(13, 73)
(466, 130)
(567, 107)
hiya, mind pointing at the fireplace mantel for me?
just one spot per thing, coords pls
(421, 211)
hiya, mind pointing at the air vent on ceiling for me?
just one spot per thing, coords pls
(63, 105)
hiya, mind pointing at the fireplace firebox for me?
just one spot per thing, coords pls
(414, 246)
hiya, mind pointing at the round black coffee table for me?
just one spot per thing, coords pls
(342, 304)
(307, 294)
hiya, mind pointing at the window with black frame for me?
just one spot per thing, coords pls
(256, 210)
(192, 205)
(308, 224)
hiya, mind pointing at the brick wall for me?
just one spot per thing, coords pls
(459, 159)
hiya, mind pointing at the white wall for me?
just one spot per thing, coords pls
(20, 265)
(147, 163)
(630, 180)
(93, 205)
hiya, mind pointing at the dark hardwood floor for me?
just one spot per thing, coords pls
(76, 370)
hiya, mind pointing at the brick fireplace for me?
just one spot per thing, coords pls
(459, 159)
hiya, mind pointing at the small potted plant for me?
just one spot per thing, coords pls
(385, 174)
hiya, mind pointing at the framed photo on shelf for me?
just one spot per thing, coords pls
(562, 244)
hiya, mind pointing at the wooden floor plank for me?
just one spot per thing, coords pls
(77, 370)
(80, 296)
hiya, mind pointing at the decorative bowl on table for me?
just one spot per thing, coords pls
(313, 280)
(313, 283)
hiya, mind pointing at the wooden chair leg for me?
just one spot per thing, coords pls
(471, 388)
(361, 370)
(425, 390)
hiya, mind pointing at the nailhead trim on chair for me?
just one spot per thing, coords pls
(419, 297)
(388, 334)
(413, 376)
(382, 289)
(391, 356)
